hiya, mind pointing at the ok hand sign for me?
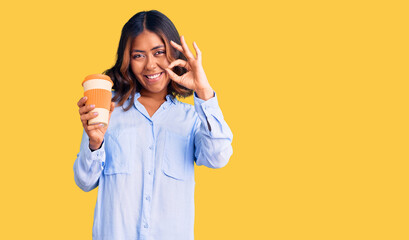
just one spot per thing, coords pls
(195, 77)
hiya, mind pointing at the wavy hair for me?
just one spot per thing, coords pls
(125, 82)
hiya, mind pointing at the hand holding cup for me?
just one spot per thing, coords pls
(95, 108)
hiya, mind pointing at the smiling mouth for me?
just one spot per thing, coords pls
(153, 77)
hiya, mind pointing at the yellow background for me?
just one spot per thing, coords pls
(315, 93)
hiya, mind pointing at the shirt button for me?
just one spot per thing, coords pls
(146, 225)
(148, 198)
(150, 173)
(151, 123)
(151, 147)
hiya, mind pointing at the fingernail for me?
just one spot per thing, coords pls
(92, 105)
(101, 125)
(95, 113)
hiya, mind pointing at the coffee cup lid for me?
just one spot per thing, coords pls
(97, 76)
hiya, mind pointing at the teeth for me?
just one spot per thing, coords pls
(153, 76)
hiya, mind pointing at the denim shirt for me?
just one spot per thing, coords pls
(144, 169)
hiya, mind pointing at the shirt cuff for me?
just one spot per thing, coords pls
(208, 110)
(96, 155)
(203, 107)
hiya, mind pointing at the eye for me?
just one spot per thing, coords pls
(137, 56)
(160, 52)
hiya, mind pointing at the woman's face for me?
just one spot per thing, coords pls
(148, 61)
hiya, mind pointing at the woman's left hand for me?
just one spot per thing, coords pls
(195, 77)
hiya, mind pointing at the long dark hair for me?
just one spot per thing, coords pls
(125, 82)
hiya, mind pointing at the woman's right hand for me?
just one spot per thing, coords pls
(95, 132)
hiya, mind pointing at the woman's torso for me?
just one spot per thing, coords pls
(147, 185)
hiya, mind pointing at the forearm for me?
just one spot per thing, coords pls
(213, 136)
(88, 166)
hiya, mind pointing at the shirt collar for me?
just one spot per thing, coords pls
(169, 97)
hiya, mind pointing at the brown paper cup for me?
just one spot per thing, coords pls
(97, 88)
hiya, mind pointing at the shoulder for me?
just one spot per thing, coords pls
(181, 117)
(182, 111)
(186, 107)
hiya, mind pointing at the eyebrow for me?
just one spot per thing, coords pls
(160, 46)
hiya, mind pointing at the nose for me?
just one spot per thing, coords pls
(151, 63)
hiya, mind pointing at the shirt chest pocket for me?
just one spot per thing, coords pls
(175, 162)
(119, 151)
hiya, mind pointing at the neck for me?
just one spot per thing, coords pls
(160, 96)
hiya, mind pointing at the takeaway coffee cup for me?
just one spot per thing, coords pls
(97, 89)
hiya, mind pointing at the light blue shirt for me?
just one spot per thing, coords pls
(144, 169)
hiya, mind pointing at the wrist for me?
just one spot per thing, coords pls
(205, 93)
(94, 145)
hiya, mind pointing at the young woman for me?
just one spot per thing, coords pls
(143, 161)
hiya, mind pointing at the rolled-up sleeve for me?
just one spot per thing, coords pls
(89, 165)
(213, 136)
